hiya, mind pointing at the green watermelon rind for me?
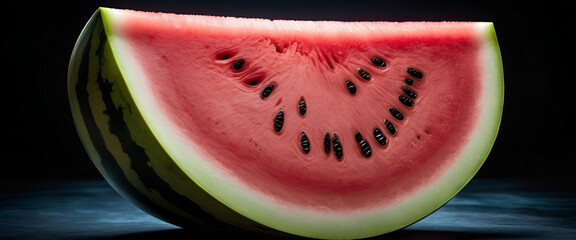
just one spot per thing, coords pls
(172, 170)
(112, 128)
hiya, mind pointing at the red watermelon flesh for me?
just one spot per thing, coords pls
(211, 88)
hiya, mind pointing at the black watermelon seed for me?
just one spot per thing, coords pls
(302, 107)
(396, 113)
(337, 147)
(378, 62)
(279, 121)
(358, 136)
(267, 90)
(304, 143)
(351, 87)
(390, 127)
(415, 73)
(409, 92)
(237, 65)
(363, 74)
(409, 81)
(365, 148)
(379, 136)
(327, 143)
(406, 101)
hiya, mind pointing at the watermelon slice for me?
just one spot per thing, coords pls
(317, 129)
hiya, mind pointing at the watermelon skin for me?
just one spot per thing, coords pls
(129, 155)
(124, 149)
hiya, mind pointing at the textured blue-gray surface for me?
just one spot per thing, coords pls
(485, 209)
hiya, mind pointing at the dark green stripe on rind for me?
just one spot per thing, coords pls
(93, 53)
(117, 126)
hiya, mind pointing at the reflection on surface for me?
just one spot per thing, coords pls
(485, 209)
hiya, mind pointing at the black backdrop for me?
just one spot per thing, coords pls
(536, 138)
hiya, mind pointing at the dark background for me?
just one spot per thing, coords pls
(536, 138)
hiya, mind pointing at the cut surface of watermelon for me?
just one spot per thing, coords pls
(318, 129)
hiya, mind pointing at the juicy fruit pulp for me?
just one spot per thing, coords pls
(247, 133)
(319, 129)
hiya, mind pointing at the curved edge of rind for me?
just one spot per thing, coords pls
(490, 119)
(494, 79)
